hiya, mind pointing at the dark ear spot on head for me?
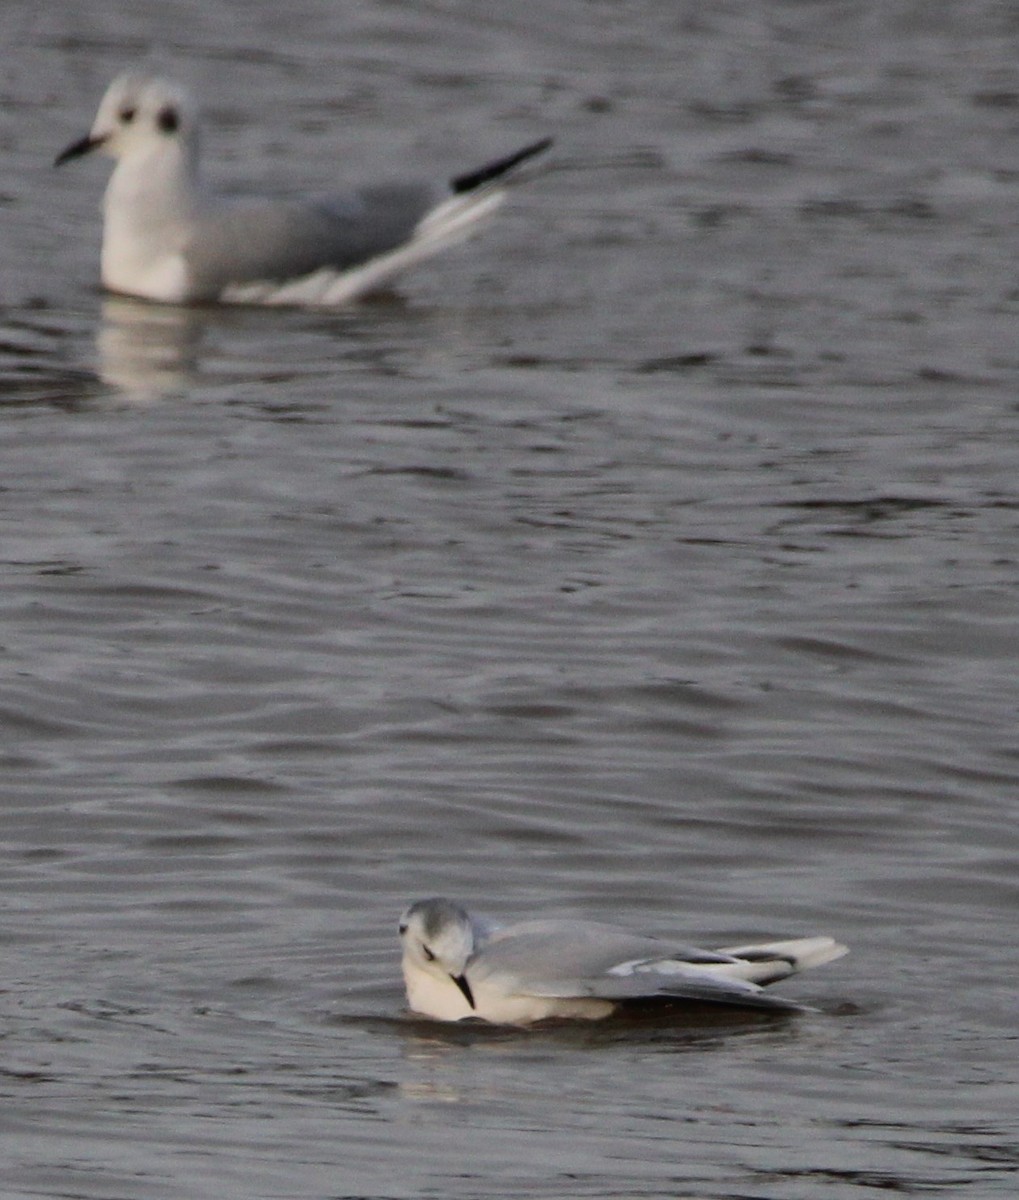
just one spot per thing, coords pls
(168, 120)
(428, 954)
(127, 114)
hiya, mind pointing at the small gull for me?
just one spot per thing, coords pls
(456, 965)
(167, 238)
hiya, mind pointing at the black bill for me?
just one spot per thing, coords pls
(78, 148)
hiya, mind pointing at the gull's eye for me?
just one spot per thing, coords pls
(127, 114)
(428, 954)
(168, 120)
(402, 928)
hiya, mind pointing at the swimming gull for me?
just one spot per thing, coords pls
(167, 237)
(456, 965)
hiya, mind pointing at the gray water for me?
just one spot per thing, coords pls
(653, 558)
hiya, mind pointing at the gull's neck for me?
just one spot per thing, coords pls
(151, 200)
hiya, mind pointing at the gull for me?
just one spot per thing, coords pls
(166, 237)
(456, 965)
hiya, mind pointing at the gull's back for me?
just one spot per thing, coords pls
(548, 950)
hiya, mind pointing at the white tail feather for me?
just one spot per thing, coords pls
(765, 962)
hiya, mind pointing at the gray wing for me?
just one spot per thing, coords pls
(255, 241)
(649, 985)
(581, 958)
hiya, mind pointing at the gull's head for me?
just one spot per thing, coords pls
(438, 938)
(140, 115)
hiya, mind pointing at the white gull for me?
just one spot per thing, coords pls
(166, 237)
(456, 965)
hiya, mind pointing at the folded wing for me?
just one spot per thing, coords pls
(571, 959)
(274, 241)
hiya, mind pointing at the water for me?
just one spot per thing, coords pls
(653, 559)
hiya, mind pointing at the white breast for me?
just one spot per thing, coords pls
(435, 997)
(163, 278)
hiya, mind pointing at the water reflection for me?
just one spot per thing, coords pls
(682, 1026)
(148, 351)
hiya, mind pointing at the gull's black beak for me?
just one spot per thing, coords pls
(464, 987)
(78, 148)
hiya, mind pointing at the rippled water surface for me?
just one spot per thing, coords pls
(653, 558)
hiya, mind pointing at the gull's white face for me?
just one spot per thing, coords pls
(140, 116)
(139, 112)
(438, 938)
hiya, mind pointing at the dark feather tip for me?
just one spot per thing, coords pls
(495, 170)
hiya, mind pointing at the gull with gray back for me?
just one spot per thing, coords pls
(456, 965)
(167, 237)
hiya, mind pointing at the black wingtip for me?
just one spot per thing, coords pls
(494, 170)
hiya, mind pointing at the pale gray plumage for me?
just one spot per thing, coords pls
(278, 240)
